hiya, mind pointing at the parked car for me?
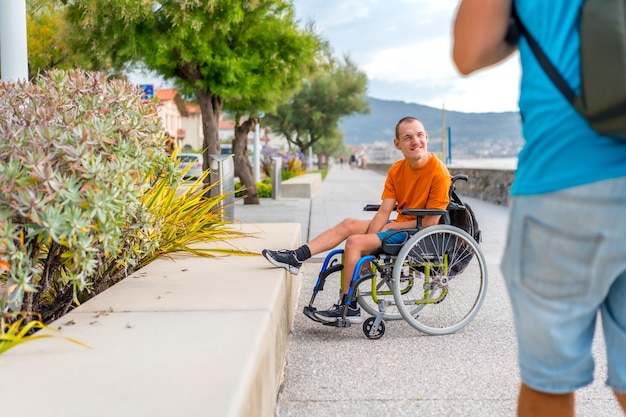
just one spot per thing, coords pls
(193, 159)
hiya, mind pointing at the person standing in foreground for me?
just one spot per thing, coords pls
(420, 180)
(565, 258)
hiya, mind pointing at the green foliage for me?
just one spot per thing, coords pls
(313, 113)
(247, 55)
(17, 328)
(186, 218)
(48, 36)
(331, 144)
(88, 193)
(264, 188)
(75, 158)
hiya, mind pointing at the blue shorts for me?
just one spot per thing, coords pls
(396, 239)
(565, 261)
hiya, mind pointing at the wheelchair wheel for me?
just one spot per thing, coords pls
(450, 280)
(369, 324)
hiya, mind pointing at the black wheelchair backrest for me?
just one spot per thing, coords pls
(461, 214)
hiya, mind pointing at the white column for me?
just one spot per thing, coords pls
(14, 62)
(13, 44)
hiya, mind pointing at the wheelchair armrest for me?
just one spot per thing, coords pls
(375, 207)
(420, 213)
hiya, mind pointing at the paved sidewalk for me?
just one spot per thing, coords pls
(339, 372)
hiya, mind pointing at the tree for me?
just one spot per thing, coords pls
(47, 39)
(313, 113)
(330, 144)
(245, 55)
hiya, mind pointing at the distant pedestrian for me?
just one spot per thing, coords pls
(565, 259)
(352, 161)
(341, 161)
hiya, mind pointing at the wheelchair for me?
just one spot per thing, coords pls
(436, 280)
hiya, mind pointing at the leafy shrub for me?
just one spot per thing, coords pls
(85, 182)
(264, 188)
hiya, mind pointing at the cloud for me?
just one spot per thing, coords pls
(404, 47)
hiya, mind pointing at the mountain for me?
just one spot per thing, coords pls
(475, 134)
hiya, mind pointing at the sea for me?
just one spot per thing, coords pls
(495, 163)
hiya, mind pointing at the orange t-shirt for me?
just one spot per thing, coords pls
(423, 188)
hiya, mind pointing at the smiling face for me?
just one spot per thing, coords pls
(412, 140)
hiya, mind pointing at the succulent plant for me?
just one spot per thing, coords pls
(80, 162)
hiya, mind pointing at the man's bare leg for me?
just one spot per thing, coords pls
(533, 403)
(335, 235)
(357, 246)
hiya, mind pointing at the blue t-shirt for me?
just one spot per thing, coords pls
(561, 150)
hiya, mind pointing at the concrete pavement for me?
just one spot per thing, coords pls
(339, 372)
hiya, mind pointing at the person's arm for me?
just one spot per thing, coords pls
(382, 215)
(430, 221)
(480, 27)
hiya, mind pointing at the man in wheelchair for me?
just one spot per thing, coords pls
(420, 180)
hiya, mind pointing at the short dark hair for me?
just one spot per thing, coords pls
(404, 120)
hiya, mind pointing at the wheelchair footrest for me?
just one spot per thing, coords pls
(310, 313)
(337, 323)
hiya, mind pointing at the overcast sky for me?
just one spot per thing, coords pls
(404, 47)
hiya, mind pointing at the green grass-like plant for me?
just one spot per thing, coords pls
(188, 218)
(18, 328)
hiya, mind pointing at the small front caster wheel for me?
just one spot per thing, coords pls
(368, 326)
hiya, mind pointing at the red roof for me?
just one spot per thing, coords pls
(166, 94)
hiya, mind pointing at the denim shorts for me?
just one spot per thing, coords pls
(565, 264)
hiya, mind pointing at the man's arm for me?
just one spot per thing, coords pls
(382, 215)
(480, 27)
(430, 221)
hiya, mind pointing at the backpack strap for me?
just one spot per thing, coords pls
(546, 64)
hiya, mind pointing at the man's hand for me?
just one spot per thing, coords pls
(426, 222)
(399, 225)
